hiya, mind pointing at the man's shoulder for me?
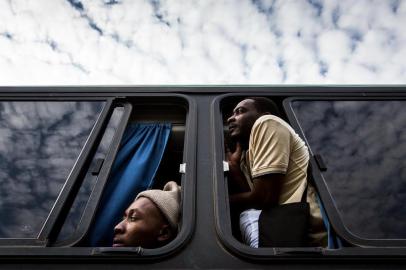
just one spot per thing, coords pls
(275, 125)
(270, 120)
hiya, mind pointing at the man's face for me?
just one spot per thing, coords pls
(244, 116)
(142, 225)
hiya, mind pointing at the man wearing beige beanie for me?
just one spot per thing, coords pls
(152, 220)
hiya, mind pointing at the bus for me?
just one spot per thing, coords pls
(58, 146)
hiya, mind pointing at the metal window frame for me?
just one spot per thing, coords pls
(188, 183)
(222, 209)
(73, 180)
(59, 250)
(326, 197)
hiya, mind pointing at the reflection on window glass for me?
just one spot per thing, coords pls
(81, 199)
(363, 144)
(39, 145)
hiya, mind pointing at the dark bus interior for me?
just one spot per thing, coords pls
(167, 112)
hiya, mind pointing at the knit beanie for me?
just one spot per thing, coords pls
(167, 200)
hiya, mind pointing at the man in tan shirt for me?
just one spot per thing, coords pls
(269, 164)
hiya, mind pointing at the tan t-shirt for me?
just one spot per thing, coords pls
(274, 147)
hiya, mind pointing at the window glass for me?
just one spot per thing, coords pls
(363, 144)
(39, 145)
(82, 197)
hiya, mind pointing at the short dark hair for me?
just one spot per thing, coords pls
(265, 105)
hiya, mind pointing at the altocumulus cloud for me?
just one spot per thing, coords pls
(202, 42)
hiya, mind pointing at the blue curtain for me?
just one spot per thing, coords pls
(333, 240)
(133, 171)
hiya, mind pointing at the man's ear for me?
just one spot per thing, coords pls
(165, 233)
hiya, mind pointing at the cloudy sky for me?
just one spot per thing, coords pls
(126, 42)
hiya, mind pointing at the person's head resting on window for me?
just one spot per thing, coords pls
(246, 113)
(151, 221)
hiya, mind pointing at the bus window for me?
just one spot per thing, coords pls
(362, 146)
(57, 158)
(243, 226)
(148, 114)
(40, 144)
(146, 122)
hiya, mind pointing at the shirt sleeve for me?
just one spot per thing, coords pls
(269, 148)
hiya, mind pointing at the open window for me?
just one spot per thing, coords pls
(357, 151)
(226, 227)
(57, 155)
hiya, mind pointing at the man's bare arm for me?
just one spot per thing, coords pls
(237, 181)
(265, 193)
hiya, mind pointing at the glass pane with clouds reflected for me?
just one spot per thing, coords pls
(363, 144)
(39, 145)
(79, 204)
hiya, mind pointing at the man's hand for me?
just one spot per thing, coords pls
(234, 158)
(237, 182)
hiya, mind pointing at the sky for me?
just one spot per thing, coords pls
(196, 42)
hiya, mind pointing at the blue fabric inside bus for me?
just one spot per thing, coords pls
(334, 241)
(133, 171)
